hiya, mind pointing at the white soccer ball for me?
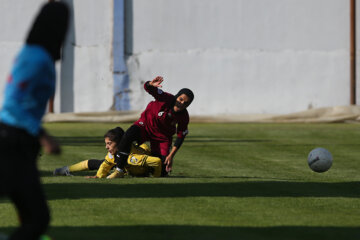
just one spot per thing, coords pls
(320, 160)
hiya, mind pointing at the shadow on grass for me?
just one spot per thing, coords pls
(187, 232)
(80, 173)
(236, 189)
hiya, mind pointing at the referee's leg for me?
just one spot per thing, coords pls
(32, 209)
(19, 152)
(31, 205)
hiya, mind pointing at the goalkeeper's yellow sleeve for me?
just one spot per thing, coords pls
(104, 169)
(106, 166)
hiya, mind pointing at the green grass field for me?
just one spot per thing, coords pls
(230, 181)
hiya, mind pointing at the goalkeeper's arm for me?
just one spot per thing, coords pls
(104, 169)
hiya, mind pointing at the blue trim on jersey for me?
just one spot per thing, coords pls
(29, 87)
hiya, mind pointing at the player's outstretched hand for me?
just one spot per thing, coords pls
(91, 176)
(50, 145)
(156, 82)
(168, 162)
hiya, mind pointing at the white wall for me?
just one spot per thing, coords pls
(241, 56)
(14, 26)
(238, 56)
(85, 77)
(86, 72)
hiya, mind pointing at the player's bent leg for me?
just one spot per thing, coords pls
(94, 164)
(164, 173)
(81, 166)
(91, 164)
(155, 164)
(161, 150)
(131, 135)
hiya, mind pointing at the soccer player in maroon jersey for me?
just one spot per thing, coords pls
(161, 119)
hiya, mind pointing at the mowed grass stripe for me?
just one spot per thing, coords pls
(230, 181)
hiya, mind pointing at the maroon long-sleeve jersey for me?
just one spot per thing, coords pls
(159, 119)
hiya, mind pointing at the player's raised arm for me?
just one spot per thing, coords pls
(153, 88)
(156, 82)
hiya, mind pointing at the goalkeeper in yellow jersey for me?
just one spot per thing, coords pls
(139, 162)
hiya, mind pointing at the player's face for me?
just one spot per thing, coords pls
(181, 103)
(110, 146)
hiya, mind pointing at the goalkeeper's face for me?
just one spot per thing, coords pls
(110, 146)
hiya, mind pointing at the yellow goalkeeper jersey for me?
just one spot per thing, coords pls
(139, 163)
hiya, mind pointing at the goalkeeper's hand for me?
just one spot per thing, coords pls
(118, 173)
(91, 176)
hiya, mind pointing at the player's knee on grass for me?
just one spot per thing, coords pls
(131, 135)
(154, 163)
